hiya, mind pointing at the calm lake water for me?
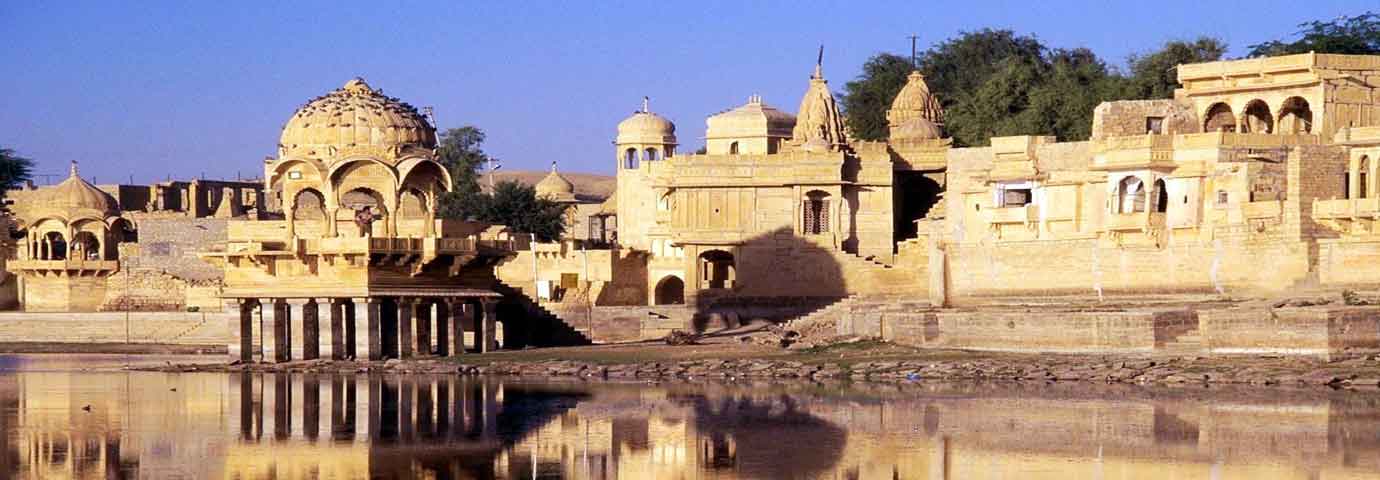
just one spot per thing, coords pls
(80, 417)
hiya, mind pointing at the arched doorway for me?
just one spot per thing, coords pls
(1219, 119)
(815, 214)
(359, 199)
(1295, 117)
(1161, 196)
(85, 246)
(55, 245)
(717, 269)
(670, 291)
(916, 193)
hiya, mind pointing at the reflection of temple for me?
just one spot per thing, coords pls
(143, 425)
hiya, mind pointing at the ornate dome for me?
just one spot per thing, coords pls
(73, 196)
(646, 127)
(915, 113)
(355, 119)
(555, 187)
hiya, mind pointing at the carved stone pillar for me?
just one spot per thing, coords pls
(337, 343)
(369, 343)
(242, 346)
(422, 316)
(442, 313)
(311, 330)
(489, 342)
(458, 319)
(405, 340)
(282, 350)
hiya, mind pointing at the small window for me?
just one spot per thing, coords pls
(295, 175)
(733, 148)
(1016, 197)
(1222, 197)
(1154, 125)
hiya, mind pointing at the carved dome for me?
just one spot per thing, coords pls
(74, 196)
(646, 127)
(356, 119)
(818, 122)
(555, 187)
(915, 114)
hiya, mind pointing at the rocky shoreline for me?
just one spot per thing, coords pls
(1357, 372)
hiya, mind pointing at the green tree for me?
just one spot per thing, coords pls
(14, 170)
(517, 206)
(867, 98)
(1358, 35)
(1155, 75)
(461, 151)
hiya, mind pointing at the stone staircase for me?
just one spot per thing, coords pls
(549, 329)
(825, 314)
(869, 277)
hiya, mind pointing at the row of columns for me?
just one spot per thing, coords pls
(372, 328)
(347, 407)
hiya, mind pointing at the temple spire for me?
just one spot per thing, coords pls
(72, 171)
(646, 104)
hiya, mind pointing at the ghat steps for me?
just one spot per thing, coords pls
(549, 329)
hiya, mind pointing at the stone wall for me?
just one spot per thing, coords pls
(144, 327)
(1129, 117)
(162, 272)
(1322, 331)
(913, 323)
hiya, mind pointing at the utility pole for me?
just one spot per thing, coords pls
(914, 63)
(492, 165)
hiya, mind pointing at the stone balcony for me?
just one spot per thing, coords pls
(1022, 215)
(1150, 151)
(68, 265)
(1134, 222)
(1346, 208)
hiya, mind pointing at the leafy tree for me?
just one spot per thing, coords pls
(867, 98)
(460, 150)
(516, 205)
(14, 170)
(1154, 74)
(1358, 35)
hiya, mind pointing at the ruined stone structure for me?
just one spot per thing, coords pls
(359, 243)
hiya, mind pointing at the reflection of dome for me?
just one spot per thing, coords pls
(646, 127)
(555, 187)
(74, 194)
(915, 113)
(355, 117)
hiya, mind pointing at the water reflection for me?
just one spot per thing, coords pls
(251, 426)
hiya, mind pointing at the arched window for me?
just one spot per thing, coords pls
(1295, 117)
(717, 269)
(1161, 196)
(1363, 178)
(815, 213)
(56, 246)
(309, 204)
(85, 246)
(651, 155)
(1130, 195)
(630, 159)
(1219, 119)
(670, 291)
(359, 200)
(412, 204)
(733, 148)
(1256, 118)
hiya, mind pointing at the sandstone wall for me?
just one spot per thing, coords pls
(1321, 331)
(110, 327)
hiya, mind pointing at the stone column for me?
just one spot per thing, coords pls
(332, 230)
(369, 344)
(351, 329)
(405, 342)
(337, 344)
(458, 318)
(311, 330)
(311, 406)
(242, 346)
(423, 321)
(281, 351)
(489, 342)
(296, 327)
(442, 327)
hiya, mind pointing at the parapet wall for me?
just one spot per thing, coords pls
(1321, 331)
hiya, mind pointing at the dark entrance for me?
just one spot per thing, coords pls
(914, 193)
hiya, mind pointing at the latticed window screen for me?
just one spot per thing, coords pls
(816, 219)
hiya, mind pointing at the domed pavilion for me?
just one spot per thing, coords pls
(358, 179)
(69, 247)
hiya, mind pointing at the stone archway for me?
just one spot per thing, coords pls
(670, 291)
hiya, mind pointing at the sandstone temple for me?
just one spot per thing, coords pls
(1167, 229)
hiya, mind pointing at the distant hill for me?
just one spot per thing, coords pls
(588, 186)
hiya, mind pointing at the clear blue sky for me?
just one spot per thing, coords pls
(154, 89)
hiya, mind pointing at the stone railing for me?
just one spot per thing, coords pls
(1266, 209)
(1248, 67)
(1133, 142)
(1246, 140)
(1139, 221)
(69, 264)
(1029, 213)
(1346, 208)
